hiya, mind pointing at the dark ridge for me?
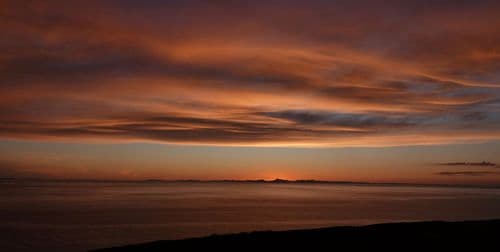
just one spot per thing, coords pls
(411, 236)
(263, 181)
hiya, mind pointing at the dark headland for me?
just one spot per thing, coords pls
(412, 236)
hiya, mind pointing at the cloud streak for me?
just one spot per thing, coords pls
(299, 74)
(483, 164)
(468, 173)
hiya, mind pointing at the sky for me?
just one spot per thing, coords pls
(379, 91)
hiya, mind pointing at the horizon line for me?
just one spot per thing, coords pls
(271, 181)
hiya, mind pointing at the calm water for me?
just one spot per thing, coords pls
(76, 216)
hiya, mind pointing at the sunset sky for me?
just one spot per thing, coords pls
(379, 91)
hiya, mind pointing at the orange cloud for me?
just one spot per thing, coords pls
(291, 74)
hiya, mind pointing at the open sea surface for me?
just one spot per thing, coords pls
(78, 216)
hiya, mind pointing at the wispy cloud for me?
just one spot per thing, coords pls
(483, 163)
(468, 173)
(200, 73)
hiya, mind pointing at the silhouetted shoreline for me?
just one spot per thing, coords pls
(427, 236)
(262, 181)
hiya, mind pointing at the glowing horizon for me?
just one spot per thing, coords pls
(201, 77)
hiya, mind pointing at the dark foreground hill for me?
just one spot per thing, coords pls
(414, 236)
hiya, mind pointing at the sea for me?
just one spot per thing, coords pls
(79, 216)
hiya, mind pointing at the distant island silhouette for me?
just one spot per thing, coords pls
(262, 181)
(310, 181)
(412, 236)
